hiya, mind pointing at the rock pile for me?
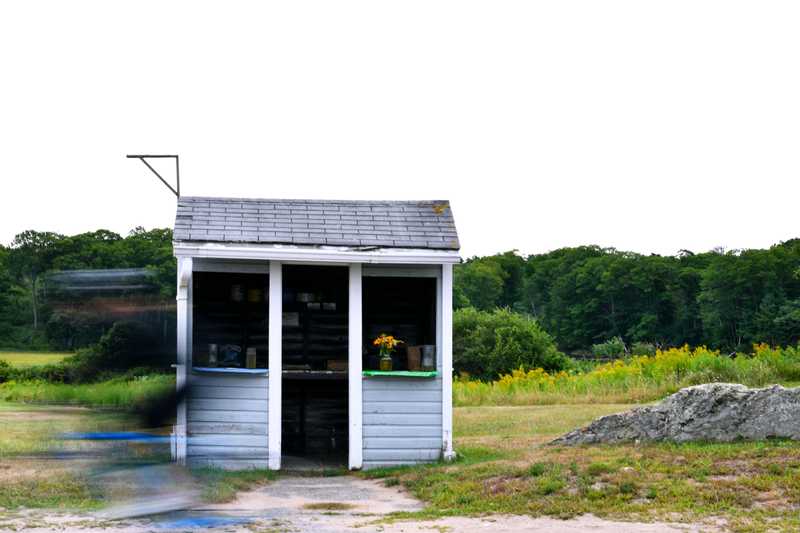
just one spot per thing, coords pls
(720, 412)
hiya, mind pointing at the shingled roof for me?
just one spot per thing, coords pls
(392, 224)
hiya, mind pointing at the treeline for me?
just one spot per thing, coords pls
(46, 304)
(580, 296)
(585, 295)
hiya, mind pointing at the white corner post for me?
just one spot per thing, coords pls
(274, 405)
(447, 361)
(183, 345)
(355, 381)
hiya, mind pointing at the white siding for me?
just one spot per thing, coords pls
(402, 421)
(227, 421)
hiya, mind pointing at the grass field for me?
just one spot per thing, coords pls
(33, 476)
(506, 466)
(115, 393)
(28, 479)
(28, 359)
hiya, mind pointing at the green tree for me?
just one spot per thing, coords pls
(479, 284)
(32, 254)
(6, 288)
(513, 267)
(152, 249)
(742, 292)
(91, 250)
(786, 323)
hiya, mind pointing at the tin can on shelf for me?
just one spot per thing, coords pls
(428, 357)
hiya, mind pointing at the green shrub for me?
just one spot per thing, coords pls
(127, 345)
(53, 373)
(611, 348)
(126, 350)
(70, 330)
(643, 348)
(537, 469)
(6, 371)
(487, 344)
(549, 485)
(597, 469)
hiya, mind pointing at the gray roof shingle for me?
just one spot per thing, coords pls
(390, 224)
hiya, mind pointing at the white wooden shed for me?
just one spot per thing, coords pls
(278, 302)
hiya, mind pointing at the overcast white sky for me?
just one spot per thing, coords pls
(648, 126)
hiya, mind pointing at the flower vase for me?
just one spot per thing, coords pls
(386, 362)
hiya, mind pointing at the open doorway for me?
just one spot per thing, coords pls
(314, 430)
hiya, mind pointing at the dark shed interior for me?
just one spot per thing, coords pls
(230, 317)
(315, 324)
(404, 307)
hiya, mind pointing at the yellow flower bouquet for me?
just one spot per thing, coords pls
(386, 345)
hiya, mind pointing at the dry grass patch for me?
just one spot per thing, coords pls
(221, 486)
(37, 484)
(31, 474)
(21, 359)
(328, 506)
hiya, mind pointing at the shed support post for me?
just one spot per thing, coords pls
(355, 405)
(274, 403)
(447, 361)
(183, 350)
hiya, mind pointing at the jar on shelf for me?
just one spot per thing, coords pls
(251, 358)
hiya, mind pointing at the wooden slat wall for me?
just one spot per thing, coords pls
(315, 418)
(227, 421)
(402, 421)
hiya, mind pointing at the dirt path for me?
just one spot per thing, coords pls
(324, 505)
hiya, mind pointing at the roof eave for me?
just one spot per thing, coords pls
(314, 254)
